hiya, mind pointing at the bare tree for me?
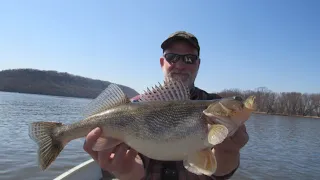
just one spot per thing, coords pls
(284, 103)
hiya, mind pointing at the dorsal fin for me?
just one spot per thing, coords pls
(111, 97)
(169, 90)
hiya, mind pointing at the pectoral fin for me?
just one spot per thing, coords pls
(201, 162)
(217, 133)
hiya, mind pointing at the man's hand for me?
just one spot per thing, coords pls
(120, 160)
(228, 152)
(238, 140)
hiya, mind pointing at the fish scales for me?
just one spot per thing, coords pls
(169, 121)
(148, 127)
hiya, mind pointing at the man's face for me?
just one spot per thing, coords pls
(179, 69)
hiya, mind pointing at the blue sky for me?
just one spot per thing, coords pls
(244, 44)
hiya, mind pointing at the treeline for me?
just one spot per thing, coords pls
(55, 83)
(283, 103)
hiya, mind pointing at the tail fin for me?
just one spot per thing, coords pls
(49, 147)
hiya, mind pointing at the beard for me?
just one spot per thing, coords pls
(185, 77)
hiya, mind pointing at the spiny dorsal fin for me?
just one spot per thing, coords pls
(111, 97)
(169, 90)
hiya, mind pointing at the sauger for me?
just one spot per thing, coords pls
(164, 125)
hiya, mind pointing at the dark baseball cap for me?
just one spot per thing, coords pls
(181, 35)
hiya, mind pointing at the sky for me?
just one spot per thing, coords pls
(244, 44)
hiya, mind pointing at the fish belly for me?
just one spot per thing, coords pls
(169, 150)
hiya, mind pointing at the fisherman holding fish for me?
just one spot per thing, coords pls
(180, 60)
(173, 131)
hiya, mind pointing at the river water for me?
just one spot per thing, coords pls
(279, 147)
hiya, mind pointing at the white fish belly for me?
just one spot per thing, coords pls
(168, 150)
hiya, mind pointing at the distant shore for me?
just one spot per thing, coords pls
(33, 81)
(278, 114)
(62, 84)
(256, 112)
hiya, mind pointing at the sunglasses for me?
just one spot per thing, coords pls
(187, 58)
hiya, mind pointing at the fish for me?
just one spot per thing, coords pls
(164, 124)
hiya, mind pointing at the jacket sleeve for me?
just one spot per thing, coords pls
(135, 98)
(227, 176)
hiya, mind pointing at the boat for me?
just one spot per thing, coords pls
(88, 170)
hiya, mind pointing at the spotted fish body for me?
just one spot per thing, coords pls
(164, 125)
(154, 127)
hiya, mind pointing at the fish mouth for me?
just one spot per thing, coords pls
(250, 103)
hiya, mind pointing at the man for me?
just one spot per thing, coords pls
(180, 60)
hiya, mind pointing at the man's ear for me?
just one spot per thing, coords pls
(199, 62)
(161, 61)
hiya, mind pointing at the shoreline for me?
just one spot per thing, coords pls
(278, 114)
(88, 98)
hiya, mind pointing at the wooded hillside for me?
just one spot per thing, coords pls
(53, 83)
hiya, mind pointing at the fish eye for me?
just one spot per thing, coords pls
(238, 98)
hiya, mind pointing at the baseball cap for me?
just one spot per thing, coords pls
(181, 35)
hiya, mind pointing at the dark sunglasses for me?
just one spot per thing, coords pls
(187, 58)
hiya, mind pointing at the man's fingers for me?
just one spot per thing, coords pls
(90, 139)
(241, 137)
(235, 142)
(120, 153)
(132, 154)
(104, 159)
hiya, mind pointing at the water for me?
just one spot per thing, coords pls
(279, 147)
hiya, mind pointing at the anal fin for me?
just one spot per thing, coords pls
(201, 162)
(104, 143)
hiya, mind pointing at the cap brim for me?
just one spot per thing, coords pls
(168, 41)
